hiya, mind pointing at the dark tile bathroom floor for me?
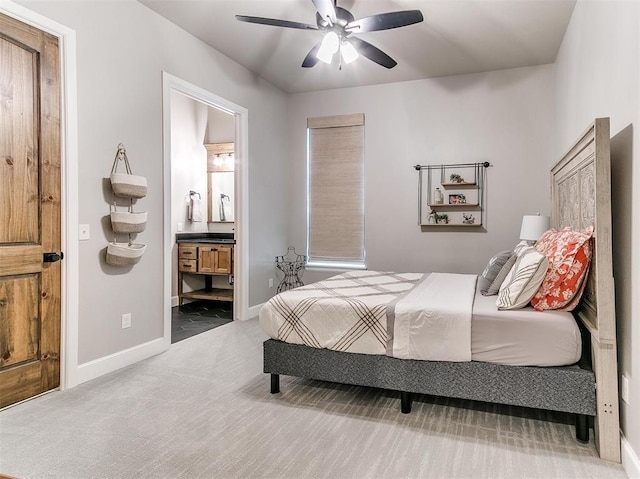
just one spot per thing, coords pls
(197, 317)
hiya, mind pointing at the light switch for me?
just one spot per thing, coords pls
(83, 232)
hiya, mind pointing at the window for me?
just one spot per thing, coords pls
(335, 191)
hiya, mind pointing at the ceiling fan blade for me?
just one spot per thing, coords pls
(385, 21)
(373, 53)
(275, 22)
(326, 8)
(311, 59)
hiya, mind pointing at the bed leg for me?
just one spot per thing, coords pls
(275, 383)
(405, 402)
(582, 427)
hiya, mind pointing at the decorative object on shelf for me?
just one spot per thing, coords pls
(442, 219)
(292, 265)
(468, 219)
(457, 199)
(462, 194)
(126, 185)
(533, 226)
(438, 197)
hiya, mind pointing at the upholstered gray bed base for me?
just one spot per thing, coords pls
(567, 389)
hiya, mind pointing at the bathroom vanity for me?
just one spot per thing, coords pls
(209, 255)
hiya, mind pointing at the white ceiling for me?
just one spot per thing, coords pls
(456, 37)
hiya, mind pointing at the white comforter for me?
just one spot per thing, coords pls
(433, 321)
(406, 315)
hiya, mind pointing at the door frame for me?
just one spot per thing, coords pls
(69, 184)
(171, 83)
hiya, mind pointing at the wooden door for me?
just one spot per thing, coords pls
(30, 214)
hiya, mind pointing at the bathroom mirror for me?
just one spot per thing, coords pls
(220, 182)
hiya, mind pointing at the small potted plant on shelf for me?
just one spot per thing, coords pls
(456, 178)
(442, 219)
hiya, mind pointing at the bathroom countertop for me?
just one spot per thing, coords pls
(205, 237)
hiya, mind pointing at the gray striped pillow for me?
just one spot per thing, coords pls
(523, 280)
(496, 271)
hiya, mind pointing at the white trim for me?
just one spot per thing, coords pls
(174, 301)
(316, 265)
(69, 149)
(107, 364)
(630, 460)
(253, 311)
(241, 297)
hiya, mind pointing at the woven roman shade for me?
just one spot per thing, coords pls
(336, 189)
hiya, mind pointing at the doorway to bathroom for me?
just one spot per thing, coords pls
(205, 201)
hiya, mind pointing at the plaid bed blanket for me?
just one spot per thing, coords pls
(347, 312)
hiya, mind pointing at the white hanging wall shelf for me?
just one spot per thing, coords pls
(126, 185)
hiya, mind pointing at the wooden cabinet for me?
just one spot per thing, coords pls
(215, 259)
(207, 260)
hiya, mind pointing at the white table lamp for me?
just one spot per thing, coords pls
(533, 226)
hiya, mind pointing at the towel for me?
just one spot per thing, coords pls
(226, 210)
(195, 209)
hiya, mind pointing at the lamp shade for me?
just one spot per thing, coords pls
(329, 46)
(533, 226)
(349, 53)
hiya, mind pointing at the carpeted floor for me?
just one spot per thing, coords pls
(203, 410)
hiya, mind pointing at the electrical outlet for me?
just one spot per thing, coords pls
(126, 320)
(180, 226)
(271, 282)
(83, 232)
(625, 389)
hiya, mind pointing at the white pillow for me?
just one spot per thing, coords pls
(523, 280)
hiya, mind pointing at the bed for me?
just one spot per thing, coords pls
(504, 364)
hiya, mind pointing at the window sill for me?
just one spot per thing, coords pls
(337, 267)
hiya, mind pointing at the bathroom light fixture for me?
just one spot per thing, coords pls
(217, 160)
(533, 226)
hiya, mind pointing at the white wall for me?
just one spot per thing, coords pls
(504, 117)
(597, 75)
(122, 49)
(189, 120)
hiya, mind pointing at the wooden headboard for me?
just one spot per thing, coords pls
(581, 196)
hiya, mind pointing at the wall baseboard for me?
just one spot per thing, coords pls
(630, 460)
(174, 301)
(253, 311)
(99, 367)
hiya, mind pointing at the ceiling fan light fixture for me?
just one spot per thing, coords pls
(329, 46)
(348, 52)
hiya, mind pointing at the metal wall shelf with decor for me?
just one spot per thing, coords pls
(451, 195)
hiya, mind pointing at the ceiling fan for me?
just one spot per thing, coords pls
(339, 25)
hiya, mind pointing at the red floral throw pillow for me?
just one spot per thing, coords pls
(569, 255)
